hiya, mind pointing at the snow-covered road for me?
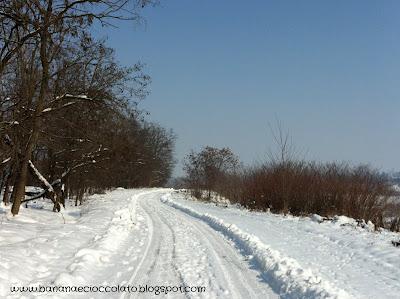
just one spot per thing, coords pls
(156, 242)
(182, 250)
(125, 238)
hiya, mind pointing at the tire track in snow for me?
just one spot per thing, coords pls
(172, 261)
(153, 268)
(212, 242)
(202, 257)
(223, 270)
(145, 254)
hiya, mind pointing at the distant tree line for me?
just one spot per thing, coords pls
(69, 119)
(287, 184)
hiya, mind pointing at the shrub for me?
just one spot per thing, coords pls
(300, 188)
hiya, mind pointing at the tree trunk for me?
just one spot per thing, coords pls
(3, 179)
(19, 187)
(81, 196)
(7, 183)
(78, 197)
(22, 172)
(62, 195)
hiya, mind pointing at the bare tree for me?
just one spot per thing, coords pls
(205, 169)
(33, 36)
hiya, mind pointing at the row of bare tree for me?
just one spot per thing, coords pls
(68, 110)
(284, 184)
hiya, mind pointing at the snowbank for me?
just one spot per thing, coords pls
(73, 247)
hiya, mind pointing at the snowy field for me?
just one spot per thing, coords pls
(157, 238)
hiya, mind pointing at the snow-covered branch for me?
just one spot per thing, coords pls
(5, 161)
(73, 99)
(40, 177)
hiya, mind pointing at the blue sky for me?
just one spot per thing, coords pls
(223, 70)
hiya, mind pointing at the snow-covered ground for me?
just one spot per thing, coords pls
(344, 259)
(123, 238)
(155, 237)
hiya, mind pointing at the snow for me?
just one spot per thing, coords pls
(317, 218)
(42, 247)
(69, 103)
(347, 256)
(284, 273)
(124, 237)
(156, 237)
(67, 95)
(6, 160)
(49, 109)
(82, 96)
(41, 178)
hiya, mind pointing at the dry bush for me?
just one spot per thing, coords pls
(392, 214)
(302, 188)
